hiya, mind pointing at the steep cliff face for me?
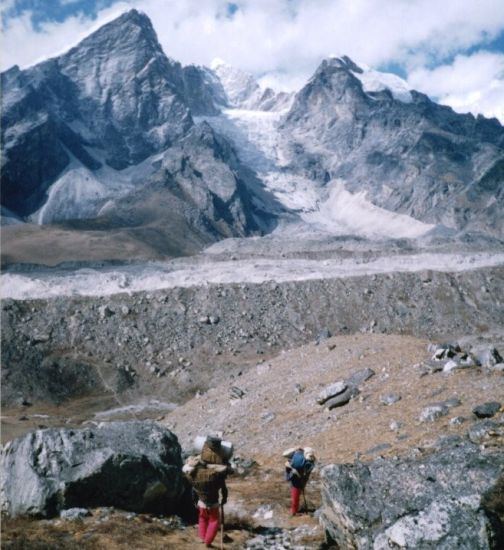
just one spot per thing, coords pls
(82, 134)
(107, 101)
(408, 154)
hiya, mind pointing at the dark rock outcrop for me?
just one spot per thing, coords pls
(449, 497)
(111, 95)
(130, 465)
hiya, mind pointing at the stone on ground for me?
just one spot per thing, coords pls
(487, 410)
(130, 465)
(417, 502)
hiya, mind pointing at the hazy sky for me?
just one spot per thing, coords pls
(453, 50)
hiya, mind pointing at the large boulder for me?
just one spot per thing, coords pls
(449, 497)
(131, 465)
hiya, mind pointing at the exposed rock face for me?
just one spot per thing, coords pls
(110, 97)
(410, 156)
(449, 498)
(130, 465)
(116, 98)
(202, 90)
(204, 170)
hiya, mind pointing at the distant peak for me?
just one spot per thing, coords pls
(133, 15)
(346, 62)
(132, 28)
(217, 62)
(130, 18)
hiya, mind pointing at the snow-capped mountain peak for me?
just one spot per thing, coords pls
(241, 88)
(338, 153)
(376, 81)
(244, 92)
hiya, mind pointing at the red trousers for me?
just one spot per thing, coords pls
(208, 523)
(295, 495)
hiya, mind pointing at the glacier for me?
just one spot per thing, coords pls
(190, 272)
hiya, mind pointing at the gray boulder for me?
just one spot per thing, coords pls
(487, 410)
(390, 398)
(417, 502)
(486, 355)
(74, 513)
(131, 465)
(331, 391)
(485, 431)
(342, 398)
(340, 393)
(433, 412)
(360, 376)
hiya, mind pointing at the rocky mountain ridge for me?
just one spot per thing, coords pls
(409, 156)
(95, 124)
(91, 123)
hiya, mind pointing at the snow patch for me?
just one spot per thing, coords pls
(375, 81)
(241, 88)
(76, 194)
(151, 407)
(80, 193)
(345, 213)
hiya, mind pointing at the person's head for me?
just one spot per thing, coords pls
(309, 454)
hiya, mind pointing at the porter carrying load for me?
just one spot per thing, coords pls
(298, 468)
(207, 473)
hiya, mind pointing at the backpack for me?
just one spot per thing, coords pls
(298, 461)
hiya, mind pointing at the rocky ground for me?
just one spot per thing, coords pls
(250, 361)
(168, 344)
(273, 405)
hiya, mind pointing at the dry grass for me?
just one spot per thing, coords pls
(52, 244)
(337, 435)
(116, 533)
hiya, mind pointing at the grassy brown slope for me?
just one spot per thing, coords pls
(279, 408)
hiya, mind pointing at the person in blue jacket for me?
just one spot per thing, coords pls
(297, 471)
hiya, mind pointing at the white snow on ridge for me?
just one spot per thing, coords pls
(76, 194)
(241, 88)
(80, 193)
(375, 81)
(185, 273)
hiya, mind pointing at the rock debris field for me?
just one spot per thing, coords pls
(330, 364)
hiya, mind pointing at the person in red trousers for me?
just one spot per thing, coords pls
(298, 469)
(207, 474)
